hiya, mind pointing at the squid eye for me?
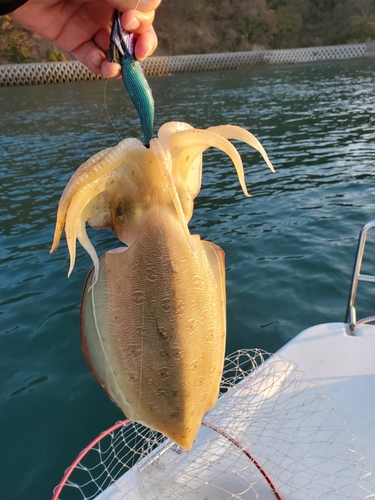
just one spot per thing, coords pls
(125, 209)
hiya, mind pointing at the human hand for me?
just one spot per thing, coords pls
(81, 27)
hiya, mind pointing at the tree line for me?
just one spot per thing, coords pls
(207, 26)
(204, 26)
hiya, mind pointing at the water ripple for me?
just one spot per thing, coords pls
(289, 248)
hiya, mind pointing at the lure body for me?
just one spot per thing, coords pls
(140, 94)
(122, 51)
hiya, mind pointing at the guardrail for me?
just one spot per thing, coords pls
(351, 314)
(73, 71)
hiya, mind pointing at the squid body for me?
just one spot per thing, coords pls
(153, 320)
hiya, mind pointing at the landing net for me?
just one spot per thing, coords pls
(272, 435)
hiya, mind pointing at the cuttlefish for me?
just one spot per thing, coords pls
(153, 313)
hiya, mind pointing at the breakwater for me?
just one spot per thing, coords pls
(73, 71)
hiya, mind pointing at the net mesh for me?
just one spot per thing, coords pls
(271, 435)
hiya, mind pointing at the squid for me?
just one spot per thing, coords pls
(153, 312)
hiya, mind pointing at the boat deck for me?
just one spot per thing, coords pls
(344, 368)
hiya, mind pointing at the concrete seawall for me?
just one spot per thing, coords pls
(370, 49)
(73, 71)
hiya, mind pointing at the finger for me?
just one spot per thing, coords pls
(108, 69)
(136, 21)
(102, 38)
(146, 44)
(111, 71)
(142, 5)
(91, 56)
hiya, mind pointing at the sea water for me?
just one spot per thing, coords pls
(289, 248)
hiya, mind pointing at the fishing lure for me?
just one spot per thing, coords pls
(121, 50)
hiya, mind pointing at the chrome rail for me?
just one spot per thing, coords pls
(351, 315)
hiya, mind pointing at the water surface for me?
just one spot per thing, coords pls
(289, 248)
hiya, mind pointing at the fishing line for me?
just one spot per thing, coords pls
(107, 111)
(105, 94)
(136, 7)
(141, 365)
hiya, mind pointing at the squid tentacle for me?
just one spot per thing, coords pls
(196, 137)
(166, 170)
(100, 164)
(76, 217)
(236, 132)
(177, 156)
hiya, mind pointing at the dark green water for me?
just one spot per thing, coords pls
(289, 248)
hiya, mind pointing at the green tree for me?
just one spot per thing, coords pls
(363, 18)
(288, 26)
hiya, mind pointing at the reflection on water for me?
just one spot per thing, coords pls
(289, 248)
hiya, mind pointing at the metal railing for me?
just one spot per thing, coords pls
(351, 315)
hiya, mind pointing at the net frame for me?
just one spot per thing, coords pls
(251, 457)
(83, 453)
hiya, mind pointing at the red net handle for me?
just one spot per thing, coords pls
(249, 455)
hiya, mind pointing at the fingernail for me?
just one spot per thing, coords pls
(97, 60)
(149, 51)
(116, 74)
(133, 24)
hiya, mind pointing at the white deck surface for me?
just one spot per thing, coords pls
(344, 368)
(307, 416)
